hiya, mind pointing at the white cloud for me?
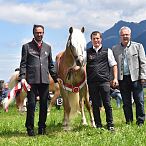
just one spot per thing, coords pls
(25, 40)
(8, 65)
(93, 14)
(59, 13)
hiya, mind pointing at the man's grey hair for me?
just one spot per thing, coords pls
(124, 27)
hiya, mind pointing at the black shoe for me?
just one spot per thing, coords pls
(111, 128)
(41, 131)
(129, 122)
(30, 132)
(99, 126)
(140, 124)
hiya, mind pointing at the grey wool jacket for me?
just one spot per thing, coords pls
(136, 60)
(36, 64)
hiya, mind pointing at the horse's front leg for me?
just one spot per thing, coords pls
(88, 105)
(67, 110)
(89, 108)
(84, 122)
(66, 122)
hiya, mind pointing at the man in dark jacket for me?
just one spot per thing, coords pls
(99, 62)
(35, 66)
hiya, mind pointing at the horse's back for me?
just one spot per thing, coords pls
(61, 65)
(13, 79)
(52, 84)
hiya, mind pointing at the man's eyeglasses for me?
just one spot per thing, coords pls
(125, 35)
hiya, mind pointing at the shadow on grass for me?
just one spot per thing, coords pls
(10, 133)
(52, 128)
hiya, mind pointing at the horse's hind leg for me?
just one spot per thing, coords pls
(52, 102)
(54, 98)
(20, 101)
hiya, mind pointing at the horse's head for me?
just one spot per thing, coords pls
(1, 86)
(77, 44)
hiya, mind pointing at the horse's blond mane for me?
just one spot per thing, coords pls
(78, 38)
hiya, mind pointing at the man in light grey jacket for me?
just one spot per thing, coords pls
(131, 61)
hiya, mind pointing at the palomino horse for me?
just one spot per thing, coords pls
(22, 94)
(71, 71)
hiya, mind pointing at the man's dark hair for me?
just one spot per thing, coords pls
(17, 69)
(94, 33)
(37, 25)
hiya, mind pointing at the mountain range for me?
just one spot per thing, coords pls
(111, 36)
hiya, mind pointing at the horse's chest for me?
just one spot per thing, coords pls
(74, 78)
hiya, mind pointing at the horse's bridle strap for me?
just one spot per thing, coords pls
(76, 88)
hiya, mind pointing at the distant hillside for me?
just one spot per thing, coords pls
(142, 39)
(111, 36)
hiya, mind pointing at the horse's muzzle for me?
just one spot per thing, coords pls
(80, 62)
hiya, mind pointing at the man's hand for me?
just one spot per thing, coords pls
(115, 83)
(25, 85)
(60, 82)
(142, 81)
(56, 85)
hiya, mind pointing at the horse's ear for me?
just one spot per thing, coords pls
(83, 29)
(70, 30)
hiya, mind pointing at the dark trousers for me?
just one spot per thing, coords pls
(42, 91)
(101, 91)
(135, 89)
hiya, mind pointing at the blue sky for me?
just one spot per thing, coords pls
(18, 16)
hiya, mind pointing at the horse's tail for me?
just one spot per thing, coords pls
(73, 100)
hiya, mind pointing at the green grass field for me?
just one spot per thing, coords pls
(13, 132)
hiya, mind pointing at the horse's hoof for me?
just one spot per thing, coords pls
(84, 124)
(66, 128)
(93, 124)
(79, 112)
(6, 110)
(64, 124)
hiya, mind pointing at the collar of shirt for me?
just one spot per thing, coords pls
(128, 45)
(96, 49)
(39, 44)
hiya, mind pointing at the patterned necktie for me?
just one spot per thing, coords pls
(40, 45)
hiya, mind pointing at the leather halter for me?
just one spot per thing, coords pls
(77, 87)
